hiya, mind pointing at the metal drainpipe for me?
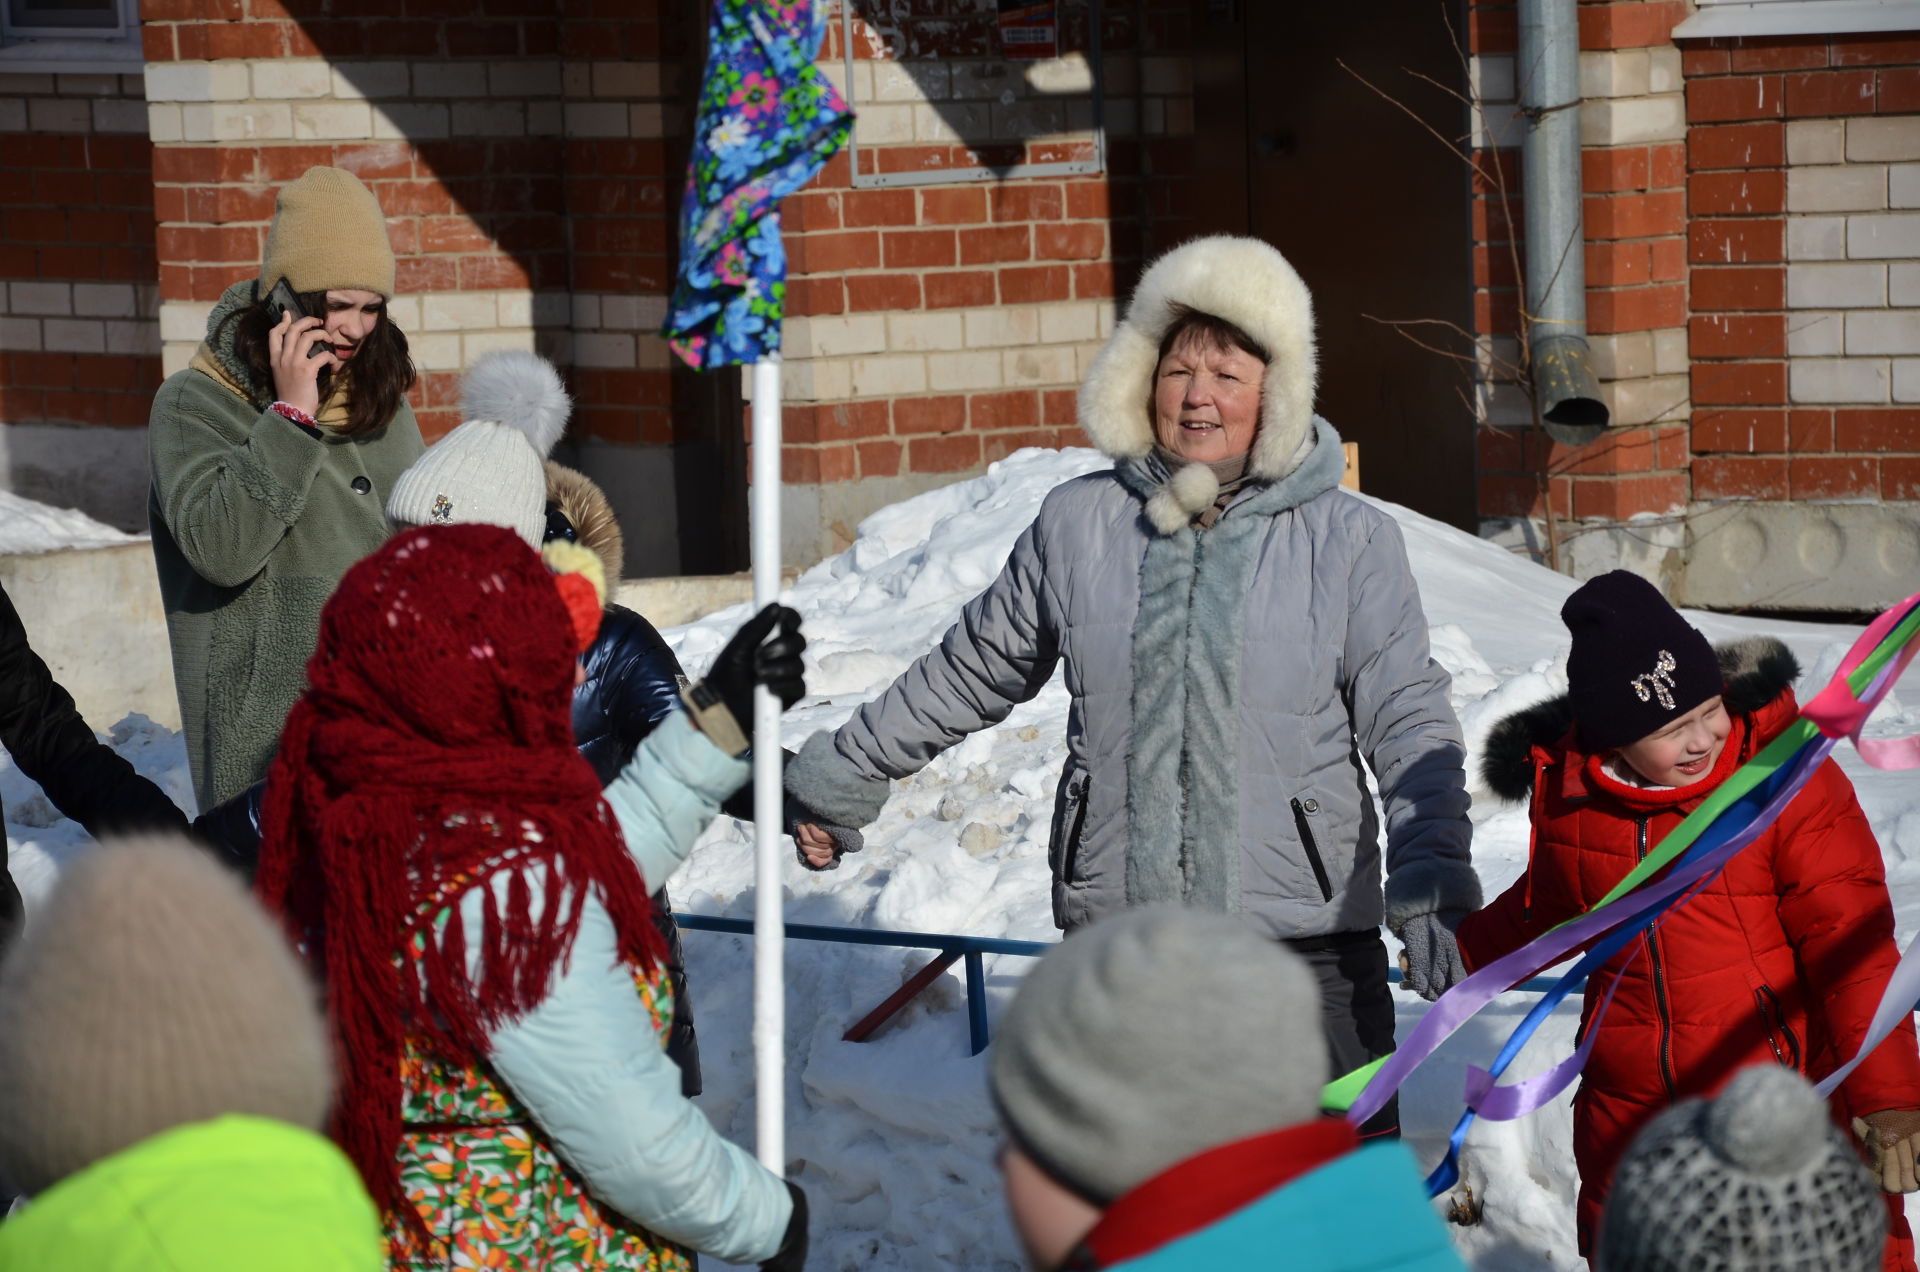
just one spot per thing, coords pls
(1548, 70)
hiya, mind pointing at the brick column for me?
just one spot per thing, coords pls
(79, 347)
(1806, 292)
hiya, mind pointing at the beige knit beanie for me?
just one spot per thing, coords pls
(150, 991)
(328, 231)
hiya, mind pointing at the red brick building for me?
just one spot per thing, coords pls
(1752, 227)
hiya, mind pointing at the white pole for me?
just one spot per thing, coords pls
(769, 923)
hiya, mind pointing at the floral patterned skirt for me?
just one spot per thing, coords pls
(493, 1193)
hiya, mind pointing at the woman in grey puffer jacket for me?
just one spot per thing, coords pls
(1242, 640)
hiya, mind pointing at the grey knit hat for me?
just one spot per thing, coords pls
(492, 469)
(1150, 1037)
(1758, 1180)
(150, 991)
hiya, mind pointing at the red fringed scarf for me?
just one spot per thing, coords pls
(434, 752)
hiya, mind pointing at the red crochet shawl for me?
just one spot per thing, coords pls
(434, 752)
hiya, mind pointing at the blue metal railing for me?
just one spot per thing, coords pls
(951, 947)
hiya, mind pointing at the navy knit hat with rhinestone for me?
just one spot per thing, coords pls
(1636, 666)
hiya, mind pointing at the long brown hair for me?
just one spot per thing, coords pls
(377, 379)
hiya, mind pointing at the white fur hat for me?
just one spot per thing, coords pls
(492, 469)
(1250, 285)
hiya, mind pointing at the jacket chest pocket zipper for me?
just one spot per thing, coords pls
(1312, 849)
(1070, 851)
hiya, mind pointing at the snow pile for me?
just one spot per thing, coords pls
(895, 1138)
(29, 527)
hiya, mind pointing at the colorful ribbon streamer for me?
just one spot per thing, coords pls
(1729, 819)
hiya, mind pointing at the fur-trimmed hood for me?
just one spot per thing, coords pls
(1244, 281)
(585, 505)
(1756, 671)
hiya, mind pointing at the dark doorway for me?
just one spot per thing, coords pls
(1368, 205)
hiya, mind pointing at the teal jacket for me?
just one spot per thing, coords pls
(254, 522)
(1302, 1197)
(237, 1194)
(588, 1065)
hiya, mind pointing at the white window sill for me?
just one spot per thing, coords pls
(120, 56)
(1799, 17)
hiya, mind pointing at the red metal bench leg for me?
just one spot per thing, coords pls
(900, 998)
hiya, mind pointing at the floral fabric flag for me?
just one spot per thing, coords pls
(767, 122)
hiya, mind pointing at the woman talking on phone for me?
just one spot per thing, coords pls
(272, 455)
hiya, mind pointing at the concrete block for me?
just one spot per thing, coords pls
(1632, 120)
(515, 308)
(1615, 73)
(1845, 188)
(410, 121)
(814, 380)
(1804, 556)
(602, 349)
(458, 311)
(20, 335)
(1889, 236)
(1046, 365)
(546, 119)
(1883, 137)
(960, 371)
(586, 311)
(910, 81)
(626, 79)
(1817, 238)
(1906, 379)
(840, 336)
(358, 81)
(13, 115)
(882, 125)
(449, 79)
(654, 353)
(1816, 335)
(987, 79)
(73, 335)
(1063, 324)
(489, 119)
(1013, 325)
(1816, 141)
(290, 78)
(477, 344)
(60, 115)
(1623, 356)
(332, 121)
(1824, 381)
(534, 77)
(1827, 286)
(649, 119)
(554, 308)
(1654, 400)
(1062, 75)
(890, 375)
(1664, 74)
(596, 119)
(103, 300)
(622, 313)
(1883, 331)
(1903, 284)
(576, 79)
(252, 121)
(198, 81)
(1166, 75)
(1670, 355)
(196, 122)
(955, 123)
(40, 298)
(175, 357)
(1491, 77)
(139, 336)
(435, 350)
(924, 333)
(120, 115)
(1903, 185)
(404, 312)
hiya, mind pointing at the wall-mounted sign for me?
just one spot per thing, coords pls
(1028, 30)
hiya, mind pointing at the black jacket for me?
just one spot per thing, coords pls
(51, 744)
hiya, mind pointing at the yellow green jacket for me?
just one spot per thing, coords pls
(237, 1194)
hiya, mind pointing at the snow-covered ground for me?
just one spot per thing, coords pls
(894, 1138)
(26, 526)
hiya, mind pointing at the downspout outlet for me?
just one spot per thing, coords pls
(1571, 409)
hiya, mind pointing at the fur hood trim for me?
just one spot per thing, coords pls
(585, 505)
(1242, 280)
(1756, 671)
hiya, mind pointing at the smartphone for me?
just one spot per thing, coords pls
(283, 300)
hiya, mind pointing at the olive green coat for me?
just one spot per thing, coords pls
(254, 521)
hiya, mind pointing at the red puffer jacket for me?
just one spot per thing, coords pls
(1780, 960)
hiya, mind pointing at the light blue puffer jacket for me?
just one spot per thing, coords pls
(589, 1066)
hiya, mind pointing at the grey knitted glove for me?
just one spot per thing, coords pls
(1431, 960)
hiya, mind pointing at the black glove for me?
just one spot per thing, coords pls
(759, 654)
(792, 1255)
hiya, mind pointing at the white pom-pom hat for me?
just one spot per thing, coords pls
(492, 469)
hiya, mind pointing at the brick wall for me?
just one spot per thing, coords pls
(936, 328)
(79, 353)
(1633, 129)
(1806, 330)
